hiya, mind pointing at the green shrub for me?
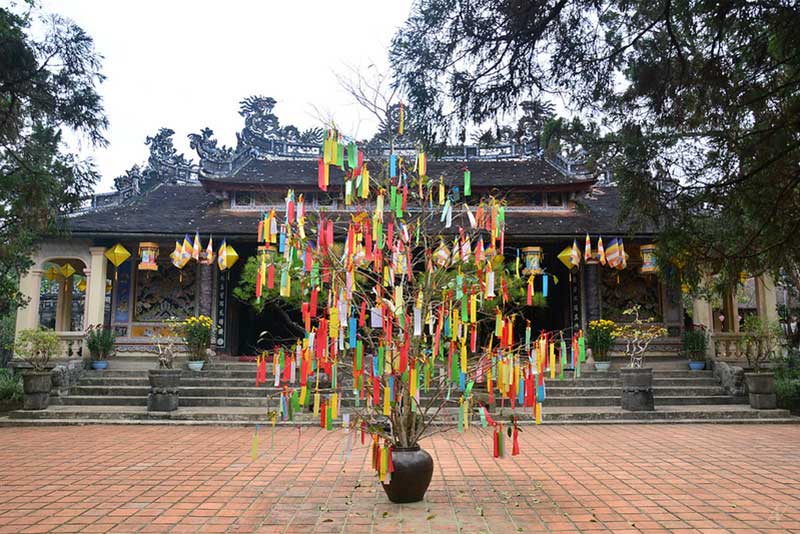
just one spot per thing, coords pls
(787, 380)
(10, 386)
(37, 347)
(695, 343)
(100, 342)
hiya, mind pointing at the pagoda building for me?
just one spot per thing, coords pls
(551, 203)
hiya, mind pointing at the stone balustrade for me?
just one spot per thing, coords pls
(728, 347)
(72, 345)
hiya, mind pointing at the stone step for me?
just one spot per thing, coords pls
(248, 416)
(614, 400)
(685, 391)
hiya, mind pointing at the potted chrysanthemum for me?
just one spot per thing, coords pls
(600, 337)
(196, 335)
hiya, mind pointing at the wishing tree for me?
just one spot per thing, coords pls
(407, 307)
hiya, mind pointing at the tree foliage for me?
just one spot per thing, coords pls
(48, 87)
(698, 103)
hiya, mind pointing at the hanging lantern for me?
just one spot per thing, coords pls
(441, 256)
(649, 262)
(82, 285)
(566, 257)
(231, 256)
(117, 255)
(109, 286)
(52, 273)
(148, 253)
(67, 270)
(533, 260)
(743, 277)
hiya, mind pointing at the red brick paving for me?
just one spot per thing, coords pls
(626, 479)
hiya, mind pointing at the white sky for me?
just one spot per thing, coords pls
(187, 64)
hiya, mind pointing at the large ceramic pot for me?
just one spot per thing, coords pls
(637, 389)
(697, 365)
(99, 365)
(602, 366)
(761, 390)
(195, 365)
(37, 390)
(413, 470)
(164, 390)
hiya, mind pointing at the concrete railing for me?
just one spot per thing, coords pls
(73, 344)
(728, 347)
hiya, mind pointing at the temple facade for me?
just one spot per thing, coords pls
(550, 202)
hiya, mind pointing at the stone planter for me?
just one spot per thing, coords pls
(637, 389)
(413, 470)
(164, 390)
(37, 390)
(761, 390)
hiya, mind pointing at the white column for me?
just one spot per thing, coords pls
(94, 307)
(30, 285)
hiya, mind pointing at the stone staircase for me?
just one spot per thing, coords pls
(225, 393)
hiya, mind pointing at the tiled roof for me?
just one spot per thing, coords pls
(533, 172)
(177, 209)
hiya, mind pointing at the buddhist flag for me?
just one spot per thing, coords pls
(622, 263)
(575, 255)
(196, 247)
(222, 256)
(612, 254)
(587, 249)
(601, 252)
(186, 253)
(210, 251)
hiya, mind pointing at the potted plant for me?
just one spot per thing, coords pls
(11, 392)
(100, 342)
(196, 335)
(36, 347)
(600, 338)
(695, 343)
(637, 380)
(165, 381)
(759, 342)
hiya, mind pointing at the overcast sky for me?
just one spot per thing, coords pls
(187, 64)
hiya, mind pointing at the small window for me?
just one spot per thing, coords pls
(555, 200)
(260, 199)
(536, 199)
(243, 199)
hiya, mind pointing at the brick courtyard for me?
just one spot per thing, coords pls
(632, 478)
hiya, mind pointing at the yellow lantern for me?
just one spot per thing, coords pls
(231, 256)
(52, 273)
(82, 284)
(148, 253)
(109, 286)
(533, 260)
(117, 255)
(649, 261)
(566, 257)
(441, 256)
(743, 277)
(67, 270)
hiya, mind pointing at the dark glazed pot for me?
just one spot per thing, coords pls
(413, 470)
(637, 389)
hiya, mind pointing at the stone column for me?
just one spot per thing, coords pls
(702, 313)
(96, 287)
(30, 285)
(766, 299)
(205, 289)
(672, 309)
(64, 306)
